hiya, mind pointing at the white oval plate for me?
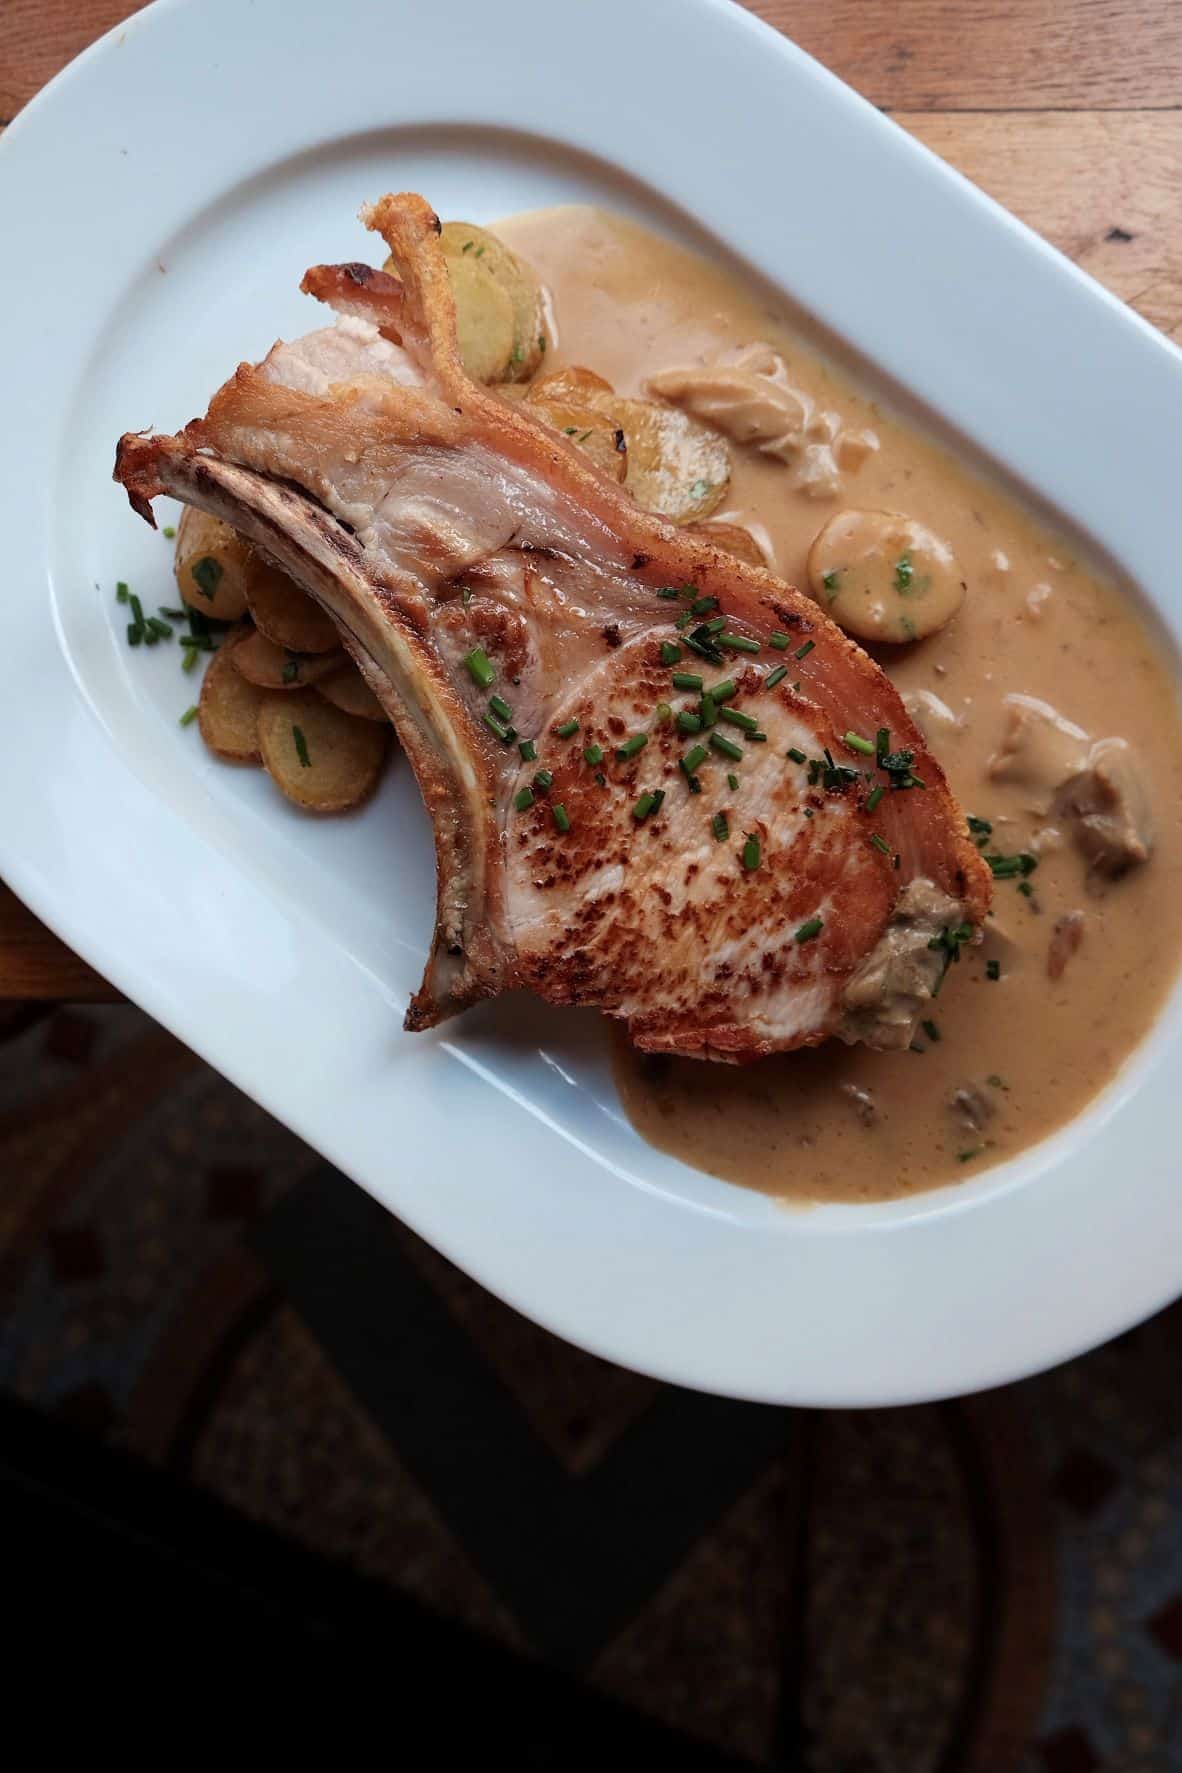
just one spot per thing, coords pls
(158, 205)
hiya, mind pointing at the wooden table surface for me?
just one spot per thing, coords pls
(1067, 111)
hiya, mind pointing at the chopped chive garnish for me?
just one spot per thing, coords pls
(162, 628)
(751, 851)
(567, 730)
(688, 722)
(716, 626)
(694, 759)
(670, 653)
(702, 606)
(775, 677)
(855, 742)
(795, 754)
(523, 799)
(301, 747)
(880, 843)
(169, 532)
(173, 615)
(542, 781)
(727, 747)
(964, 1157)
(757, 738)
(738, 643)
(914, 781)
(560, 816)
(135, 634)
(528, 750)
(479, 668)
(882, 742)
(506, 734)
(904, 572)
(662, 714)
(737, 718)
(979, 827)
(686, 680)
(930, 1029)
(669, 591)
(1012, 867)
(206, 574)
(720, 828)
(121, 592)
(291, 670)
(1025, 888)
(189, 658)
(658, 798)
(631, 746)
(707, 711)
(601, 778)
(150, 636)
(781, 642)
(873, 798)
(189, 716)
(829, 580)
(722, 692)
(701, 643)
(808, 930)
(683, 622)
(993, 969)
(802, 652)
(136, 607)
(593, 754)
(500, 708)
(732, 781)
(643, 807)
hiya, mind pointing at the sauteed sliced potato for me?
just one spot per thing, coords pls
(269, 666)
(228, 707)
(285, 614)
(732, 538)
(676, 466)
(572, 384)
(594, 433)
(324, 760)
(347, 690)
(464, 243)
(484, 321)
(212, 566)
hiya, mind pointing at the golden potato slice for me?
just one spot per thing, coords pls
(589, 431)
(463, 242)
(732, 538)
(347, 690)
(676, 466)
(228, 708)
(269, 666)
(484, 321)
(883, 576)
(212, 565)
(285, 614)
(572, 384)
(324, 760)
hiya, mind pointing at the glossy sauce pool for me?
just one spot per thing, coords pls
(839, 1123)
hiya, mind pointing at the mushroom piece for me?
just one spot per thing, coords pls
(1066, 936)
(1039, 749)
(1107, 809)
(883, 576)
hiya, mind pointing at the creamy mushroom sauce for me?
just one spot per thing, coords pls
(1012, 1058)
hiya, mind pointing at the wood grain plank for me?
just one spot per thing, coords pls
(35, 966)
(950, 55)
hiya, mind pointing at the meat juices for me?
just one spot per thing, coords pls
(1016, 1056)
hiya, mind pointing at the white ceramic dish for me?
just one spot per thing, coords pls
(158, 204)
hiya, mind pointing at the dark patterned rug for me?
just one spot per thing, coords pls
(976, 1587)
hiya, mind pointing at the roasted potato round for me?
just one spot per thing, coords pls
(324, 760)
(228, 707)
(347, 690)
(677, 467)
(212, 566)
(464, 243)
(732, 538)
(484, 321)
(269, 666)
(883, 576)
(572, 384)
(285, 614)
(589, 431)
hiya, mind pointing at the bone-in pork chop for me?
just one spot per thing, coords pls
(757, 884)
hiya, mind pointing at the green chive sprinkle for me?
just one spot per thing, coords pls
(993, 969)
(720, 828)
(732, 781)
(560, 816)
(480, 669)
(686, 680)
(163, 629)
(751, 852)
(593, 754)
(716, 626)
(189, 716)
(722, 692)
(189, 658)
(542, 781)
(301, 746)
(796, 755)
(151, 638)
(694, 759)
(669, 591)
(880, 843)
(121, 592)
(775, 677)
(631, 746)
(670, 653)
(528, 750)
(683, 622)
(964, 1157)
(643, 808)
(567, 730)
(168, 532)
(523, 799)
(499, 730)
(702, 606)
(1025, 888)
(135, 634)
(757, 738)
(738, 718)
(873, 798)
(738, 643)
(808, 930)
(855, 742)
(930, 1029)
(707, 711)
(206, 574)
(882, 742)
(173, 615)
(662, 714)
(688, 722)
(291, 670)
(802, 652)
(500, 708)
(727, 747)
(781, 642)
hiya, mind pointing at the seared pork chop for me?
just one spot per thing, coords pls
(588, 847)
